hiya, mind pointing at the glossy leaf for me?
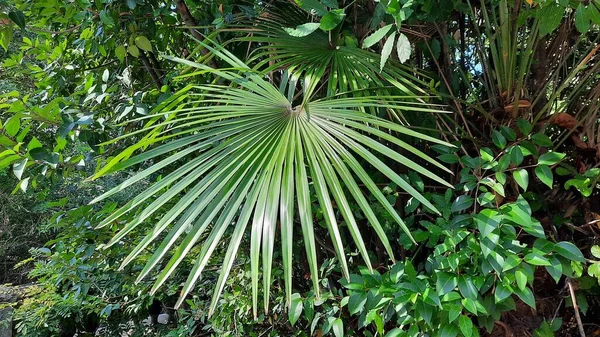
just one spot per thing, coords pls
(143, 43)
(295, 308)
(498, 140)
(303, 30)
(332, 19)
(466, 325)
(550, 158)
(17, 17)
(544, 174)
(376, 36)
(569, 251)
(403, 48)
(386, 51)
(521, 176)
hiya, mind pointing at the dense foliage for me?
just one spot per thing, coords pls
(387, 168)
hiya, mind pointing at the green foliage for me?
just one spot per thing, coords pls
(477, 260)
(277, 144)
(79, 285)
(285, 110)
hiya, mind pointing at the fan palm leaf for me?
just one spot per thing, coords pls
(348, 67)
(246, 159)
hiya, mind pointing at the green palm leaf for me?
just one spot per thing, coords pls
(247, 158)
(347, 67)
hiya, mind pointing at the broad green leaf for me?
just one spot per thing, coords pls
(143, 43)
(504, 162)
(395, 332)
(449, 158)
(9, 159)
(593, 13)
(595, 250)
(376, 36)
(426, 311)
(356, 302)
(555, 269)
(469, 304)
(508, 133)
(569, 251)
(19, 168)
(526, 295)
(332, 19)
(133, 50)
(403, 48)
(516, 155)
(6, 34)
(550, 17)
(521, 279)
(17, 17)
(453, 311)
(120, 53)
(550, 158)
(106, 18)
(487, 221)
(541, 139)
(386, 51)
(524, 126)
(12, 126)
(467, 288)
(338, 327)
(466, 325)
(498, 140)
(486, 154)
(501, 177)
(302, 30)
(296, 306)
(448, 330)
(502, 292)
(511, 262)
(496, 260)
(521, 176)
(536, 259)
(396, 272)
(582, 21)
(544, 174)
(445, 283)
(461, 203)
(594, 270)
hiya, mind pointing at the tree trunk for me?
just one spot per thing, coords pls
(190, 21)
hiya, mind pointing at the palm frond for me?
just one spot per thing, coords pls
(347, 67)
(247, 157)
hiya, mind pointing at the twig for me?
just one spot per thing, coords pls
(557, 308)
(325, 246)
(507, 331)
(576, 308)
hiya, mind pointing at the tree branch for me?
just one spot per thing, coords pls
(190, 21)
(150, 69)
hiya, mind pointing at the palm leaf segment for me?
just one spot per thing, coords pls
(347, 67)
(247, 159)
